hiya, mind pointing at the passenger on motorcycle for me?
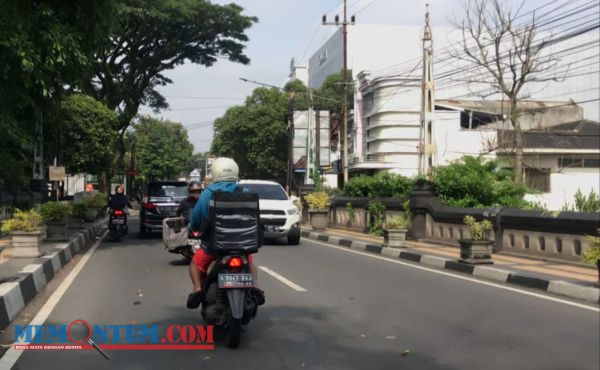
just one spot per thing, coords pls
(187, 205)
(225, 176)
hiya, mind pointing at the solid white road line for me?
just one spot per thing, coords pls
(525, 292)
(12, 356)
(287, 282)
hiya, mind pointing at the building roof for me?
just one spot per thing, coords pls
(499, 106)
(584, 134)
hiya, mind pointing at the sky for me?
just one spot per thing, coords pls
(286, 29)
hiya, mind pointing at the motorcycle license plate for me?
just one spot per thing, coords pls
(236, 281)
(118, 221)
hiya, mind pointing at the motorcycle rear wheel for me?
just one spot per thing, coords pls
(234, 332)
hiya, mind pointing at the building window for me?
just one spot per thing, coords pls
(579, 162)
(538, 179)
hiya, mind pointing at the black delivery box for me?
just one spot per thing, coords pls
(234, 223)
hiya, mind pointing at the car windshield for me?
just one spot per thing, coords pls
(167, 190)
(266, 191)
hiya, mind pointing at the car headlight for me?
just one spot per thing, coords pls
(293, 211)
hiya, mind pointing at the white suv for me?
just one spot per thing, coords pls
(279, 215)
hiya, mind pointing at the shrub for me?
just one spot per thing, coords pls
(592, 255)
(398, 223)
(98, 200)
(381, 185)
(583, 203)
(351, 212)
(79, 210)
(479, 230)
(56, 211)
(22, 221)
(318, 200)
(376, 210)
(477, 182)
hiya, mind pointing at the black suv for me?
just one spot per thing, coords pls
(160, 201)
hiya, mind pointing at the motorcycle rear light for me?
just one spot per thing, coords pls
(196, 234)
(235, 262)
(118, 212)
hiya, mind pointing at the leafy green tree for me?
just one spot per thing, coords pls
(255, 135)
(330, 96)
(89, 130)
(162, 148)
(154, 36)
(44, 46)
(299, 95)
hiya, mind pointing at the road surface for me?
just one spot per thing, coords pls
(328, 308)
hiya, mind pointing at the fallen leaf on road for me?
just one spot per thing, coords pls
(406, 352)
(390, 337)
(137, 302)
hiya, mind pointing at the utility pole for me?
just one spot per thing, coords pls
(344, 25)
(426, 143)
(290, 174)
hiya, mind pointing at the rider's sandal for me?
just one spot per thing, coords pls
(194, 299)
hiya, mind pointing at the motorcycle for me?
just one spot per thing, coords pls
(118, 224)
(231, 299)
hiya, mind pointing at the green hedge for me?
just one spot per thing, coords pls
(477, 182)
(382, 185)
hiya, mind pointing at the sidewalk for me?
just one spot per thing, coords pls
(560, 278)
(21, 279)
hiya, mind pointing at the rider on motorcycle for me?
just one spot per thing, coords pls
(225, 176)
(187, 205)
(118, 200)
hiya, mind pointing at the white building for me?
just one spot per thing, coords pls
(385, 125)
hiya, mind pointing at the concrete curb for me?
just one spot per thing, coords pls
(559, 287)
(27, 283)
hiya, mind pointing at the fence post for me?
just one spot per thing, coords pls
(419, 199)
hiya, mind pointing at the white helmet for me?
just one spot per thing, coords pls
(225, 169)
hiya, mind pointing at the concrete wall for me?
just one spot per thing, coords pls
(564, 185)
(559, 236)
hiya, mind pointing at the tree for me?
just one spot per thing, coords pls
(505, 55)
(89, 130)
(154, 36)
(44, 46)
(330, 96)
(255, 135)
(162, 148)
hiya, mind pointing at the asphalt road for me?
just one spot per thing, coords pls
(357, 312)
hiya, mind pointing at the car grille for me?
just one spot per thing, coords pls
(272, 213)
(273, 222)
(167, 210)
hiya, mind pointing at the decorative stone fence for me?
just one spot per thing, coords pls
(560, 235)
(341, 209)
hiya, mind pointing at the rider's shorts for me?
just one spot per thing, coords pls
(202, 259)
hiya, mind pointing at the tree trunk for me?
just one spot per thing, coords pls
(518, 160)
(104, 182)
